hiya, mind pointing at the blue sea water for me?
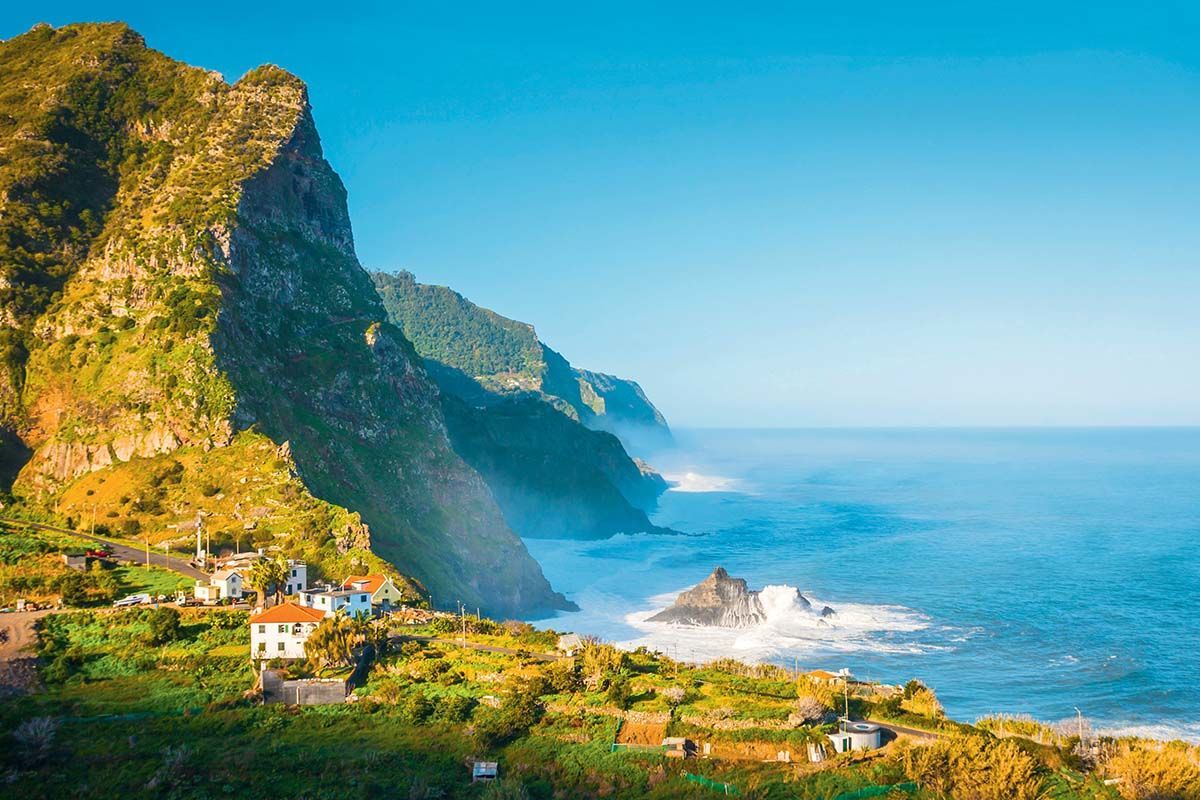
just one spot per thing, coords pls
(1018, 571)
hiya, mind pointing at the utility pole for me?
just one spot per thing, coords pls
(147, 551)
(1079, 716)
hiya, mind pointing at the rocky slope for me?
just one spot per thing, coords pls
(186, 325)
(512, 408)
(502, 357)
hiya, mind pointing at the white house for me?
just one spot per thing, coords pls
(280, 632)
(329, 601)
(384, 592)
(225, 583)
(228, 583)
(297, 577)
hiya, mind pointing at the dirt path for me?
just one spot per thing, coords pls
(18, 673)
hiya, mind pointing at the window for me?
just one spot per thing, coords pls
(281, 647)
(262, 628)
(283, 628)
(262, 647)
(293, 573)
(362, 598)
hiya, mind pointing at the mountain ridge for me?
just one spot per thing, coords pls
(205, 335)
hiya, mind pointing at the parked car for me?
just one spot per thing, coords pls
(132, 600)
(100, 552)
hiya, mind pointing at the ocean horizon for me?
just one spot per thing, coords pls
(1017, 570)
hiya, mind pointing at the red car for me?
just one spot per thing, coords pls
(101, 552)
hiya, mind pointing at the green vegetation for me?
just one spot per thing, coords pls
(448, 328)
(150, 703)
(32, 568)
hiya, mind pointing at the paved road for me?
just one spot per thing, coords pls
(901, 730)
(121, 551)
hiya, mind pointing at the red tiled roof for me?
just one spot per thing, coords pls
(373, 582)
(288, 612)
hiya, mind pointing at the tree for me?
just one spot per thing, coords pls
(674, 695)
(332, 642)
(72, 588)
(268, 573)
(164, 626)
(620, 691)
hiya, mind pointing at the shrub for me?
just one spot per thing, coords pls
(620, 691)
(164, 626)
(34, 738)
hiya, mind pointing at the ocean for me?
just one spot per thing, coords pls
(1022, 571)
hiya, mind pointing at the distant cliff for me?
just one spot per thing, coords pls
(513, 411)
(184, 325)
(504, 357)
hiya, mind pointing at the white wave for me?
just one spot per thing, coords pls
(1163, 731)
(790, 629)
(695, 482)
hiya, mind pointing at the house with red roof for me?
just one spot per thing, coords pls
(280, 631)
(384, 592)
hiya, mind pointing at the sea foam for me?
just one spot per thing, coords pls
(789, 628)
(695, 482)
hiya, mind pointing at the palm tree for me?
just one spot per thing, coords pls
(332, 642)
(267, 573)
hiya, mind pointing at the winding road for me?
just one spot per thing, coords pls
(122, 551)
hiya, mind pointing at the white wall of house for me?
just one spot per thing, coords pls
(354, 603)
(297, 577)
(279, 639)
(230, 587)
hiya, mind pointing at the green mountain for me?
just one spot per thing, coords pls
(184, 325)
(516, 412)
(504, 358)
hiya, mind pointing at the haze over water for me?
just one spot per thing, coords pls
(1015, 570)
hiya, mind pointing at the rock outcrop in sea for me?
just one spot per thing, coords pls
(725, 602)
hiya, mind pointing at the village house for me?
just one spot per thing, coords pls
(280, 632)
(383, 591)
(329, 601)
(297, 577)
(569, 644)
(222, 584)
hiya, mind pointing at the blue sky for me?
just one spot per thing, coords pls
(832, 214)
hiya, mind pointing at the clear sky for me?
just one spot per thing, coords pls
(834, 214)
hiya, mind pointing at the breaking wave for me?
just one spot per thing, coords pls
(790, 628)
(695, 482)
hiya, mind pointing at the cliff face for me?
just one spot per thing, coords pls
(504, 358)
(215, 343)
(515, 417)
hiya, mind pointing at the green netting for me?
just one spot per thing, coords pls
(716, 786)
(877, 791)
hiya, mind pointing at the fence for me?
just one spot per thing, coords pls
(716, 786)
(877, 791)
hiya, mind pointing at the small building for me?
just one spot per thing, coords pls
(207, 592)
(385, 594)
(484, 771)
(856, 736)
(569, 644)
(280, 632)
(678, 747)
(329, 601)
(76, 561)
(229, 584)
(297, 577)
(829, 678)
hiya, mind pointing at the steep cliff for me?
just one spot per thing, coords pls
(206, 337)
(513, 417)
(504, 357)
